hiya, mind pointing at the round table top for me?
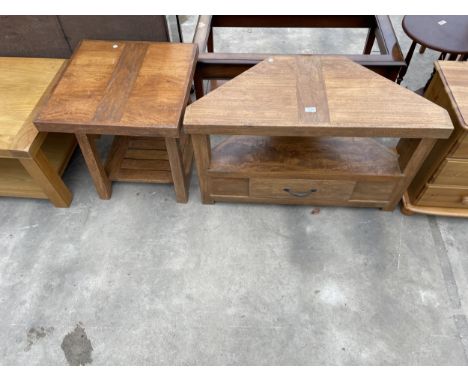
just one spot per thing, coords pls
(442, 33)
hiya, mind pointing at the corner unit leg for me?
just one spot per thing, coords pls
(177, 169)
(48, 179)
(410, 167)
(202, 150)
(96, 168)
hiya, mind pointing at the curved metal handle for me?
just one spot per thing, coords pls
(300, 194)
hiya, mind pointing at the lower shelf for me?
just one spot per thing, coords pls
(317, 171)
(16, 182)
(145, 160)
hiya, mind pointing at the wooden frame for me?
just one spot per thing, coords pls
(213, 65)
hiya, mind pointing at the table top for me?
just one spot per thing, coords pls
(23, 83)
(454, 75)
(122, 88)
(442, 33)
(315, 96)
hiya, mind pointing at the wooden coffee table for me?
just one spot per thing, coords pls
(301, 131)
(31, 163)
(136, 91)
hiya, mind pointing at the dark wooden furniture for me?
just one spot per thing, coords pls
(134, 90)
(445, 34)
(58, 36)
(301, 131)
(214, 65)
(441, 185)
(31, 163)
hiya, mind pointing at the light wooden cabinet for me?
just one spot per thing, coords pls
(441, 185)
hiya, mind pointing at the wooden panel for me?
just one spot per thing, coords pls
(227, 186)
(454, 74)
(146, 154)
(15, 181)
(461, 150)
(452, 172)
(444, 196)
(301, 188)
(129, 28)
(145, 164)
(147, 143)
(23, 82)
(151, 100)
(264, 100)
(291, 157)
(379, 191)
(32, 36)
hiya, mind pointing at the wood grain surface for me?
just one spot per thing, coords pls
(122, 88)
(23, 82)
(342, 97)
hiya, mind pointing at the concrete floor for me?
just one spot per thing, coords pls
(142, 280)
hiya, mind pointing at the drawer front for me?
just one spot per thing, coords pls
(304, 189)
(228, 186)
(453, 172)
(437, 196)
(462, 150)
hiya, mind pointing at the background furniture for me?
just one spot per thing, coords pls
(58, 36)
(134, 90)
(441, 185)
(218, 65)
(445, 34)
(30, 162)
(301, 132)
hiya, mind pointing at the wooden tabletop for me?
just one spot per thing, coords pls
(454, 75)
(122, 88)
(314, 96)
(442, 33)
(23, 83)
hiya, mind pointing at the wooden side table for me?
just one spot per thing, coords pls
(441, 185)
(301, 131)
(445, 34)
(136, 91)
(31, 163)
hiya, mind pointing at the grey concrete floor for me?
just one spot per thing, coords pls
(142, 280)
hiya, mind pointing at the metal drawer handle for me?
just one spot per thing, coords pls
(465, 200)
(300, 194)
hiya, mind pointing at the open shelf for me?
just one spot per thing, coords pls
(323, 157)
(15, 181)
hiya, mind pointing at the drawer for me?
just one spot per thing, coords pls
(438, 196)
(453, 172)
(228, 186)
(462, 150)
(305, 189)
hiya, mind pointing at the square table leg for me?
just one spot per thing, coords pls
(40, 169)
(177, 169)
(202, 150)
(410, 163)
(95, 166)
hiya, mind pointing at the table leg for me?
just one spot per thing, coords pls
(410, 166)
(369, 41)
(177, 169)
(202, 150)
(48, 179)
(96, 168)
(408, 57)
